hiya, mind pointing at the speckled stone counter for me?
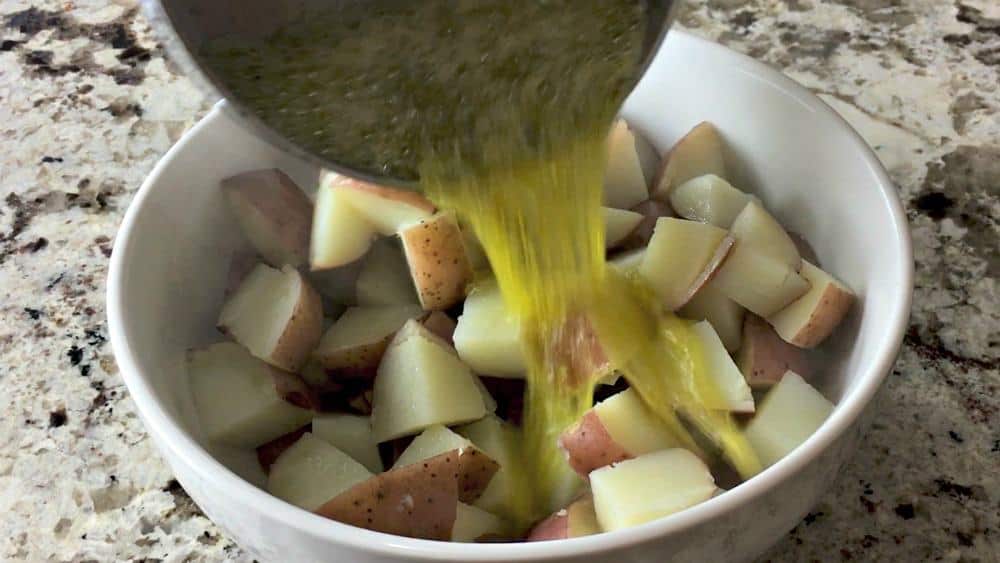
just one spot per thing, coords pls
(88, 104)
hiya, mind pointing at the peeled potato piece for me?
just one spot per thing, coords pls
(726, 315)
(735, 394)
(681, 257)
(473, 524)
(418, 501)
(625, 182)
(276, 315)
(340, 233)
(790, 412)
(652, 486)
(472, 463)
(696, 154)
(351, 434)
(709, 199)
(576, 520)
(236, 398)
(488, 337)
(384, 278)
(755, 228)
(354, 345)
(274, 214)
(311, 472)
(619, 224)
(439, 265)
(620, 427)
(764, 357)
(422, 382)
(762, 284)
(810, 319)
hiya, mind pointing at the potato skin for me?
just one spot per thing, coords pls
(303, 331)
(832, 307)
(271, 194)
(764, 357)
(439, 265)
(589, 446)
(269, 452)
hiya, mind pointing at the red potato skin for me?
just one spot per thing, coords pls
(304, 329)
(712, 268)
(411, 197)
(589, 446)
(442, 326)
(578, 348)
(651, 210)
(555, 527)
(764, 357)
(291, 217)
(269, 452)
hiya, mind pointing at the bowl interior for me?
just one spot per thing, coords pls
(808, 167)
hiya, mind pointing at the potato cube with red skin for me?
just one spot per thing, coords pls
(789, 414)
(809, 320)
(273, 213)
(354, 345)
(312, 471)
(764, 357)
(651, 210)
(762, 284)
(351, 434)
(576, 520)
(712, 305)
(681, 257)
(384, 278)
(625, 181)
(698, 153)
(439, 264)
(756, 228)
(268, 453)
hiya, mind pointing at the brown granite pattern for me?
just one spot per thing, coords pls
(89, 104)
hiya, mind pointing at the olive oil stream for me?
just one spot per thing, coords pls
(501, 109)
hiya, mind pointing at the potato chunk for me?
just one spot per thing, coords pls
(790, 412)
(312, 472)
(810, 319)
(696, 154)
(274, 214)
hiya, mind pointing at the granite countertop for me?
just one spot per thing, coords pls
(89, 104)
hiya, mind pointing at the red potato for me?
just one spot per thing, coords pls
(340, 233)
(810, 319)
(625, 182)
(619, 224)
(271, 451)
(758, 282)
(578, 348)
(418, 500)
(709, 199)
(696, 154)
(274, 214)
(756, 228)
(388, 210)
(276, 315)
(441, 325)
(764, 357)
(293, 388)
(354, 345)
(576, 520)
(651, 210)
(439, 264)
(683, 256)
(589, 445)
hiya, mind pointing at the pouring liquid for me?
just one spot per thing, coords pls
(500, 109)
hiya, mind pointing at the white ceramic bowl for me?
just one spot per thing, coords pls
(811, 169)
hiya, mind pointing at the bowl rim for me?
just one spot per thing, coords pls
(170, 436)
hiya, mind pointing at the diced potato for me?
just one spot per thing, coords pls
(735, 394)
(651, 210)
(625, 183)
(384, 278)
(488, 337)
(709, 199)
(473, 523)
(618, 225)
(755, 228)
(764, 357)
(418, 501)
(696, 154)
(269, 452)
(352, 435)
(472, 462)
(618, 428)
(652, 486)
(274, 214)
(234, 394)
(681, 257)
(276, 315)
(311, 472)
(810, 319)
(439, 266)
(422, 382)
(576, 520)
(710, 304)
(501, 442)
(357, 341)
(388, 210)
(758, 282)
(790, 412)
(340, 233)
(441, 325)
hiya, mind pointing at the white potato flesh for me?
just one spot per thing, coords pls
(790, 412)
(352, 435)
(696, 154)
(758, 282)
(625, 182)
(276, 315)
(632, 425)
(710, 304)
(388, 210)
(810, 319)
(384, 278)
(422, 382)
(472, 523)
(235, 397)
(652, 486)
(340, 233)
(734, 393)
(709, 199)
(311, 472)
(754, 227)
(677, 256)
(274, 214)
(435, 440)
(619, 224)
(501, 441)
(359, 337)
(488, 337)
